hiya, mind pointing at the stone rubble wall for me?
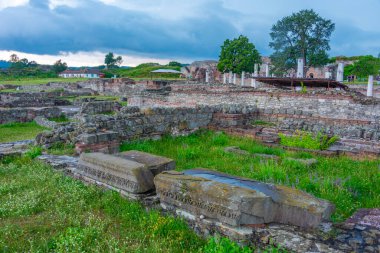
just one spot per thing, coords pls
(153, 122)
(67, 86)
(98, 107)
(30, 99)
(339, 115)
(27, 114)
(37, 99)
(42, 121)
(108, 85)
(104, 132)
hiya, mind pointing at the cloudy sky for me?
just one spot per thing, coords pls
(81, 31)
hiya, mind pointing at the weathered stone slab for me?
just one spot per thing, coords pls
(366, 217)
(156, 164)
(306, 162)
(238, 201)
(60, 162)
(16, 148)
(238, 151)
(117, 172)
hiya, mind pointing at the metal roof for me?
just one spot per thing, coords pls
(166, 71)
(309, 82)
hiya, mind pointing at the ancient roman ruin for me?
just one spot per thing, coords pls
(247, 211)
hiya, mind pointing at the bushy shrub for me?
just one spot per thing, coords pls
(34, 152)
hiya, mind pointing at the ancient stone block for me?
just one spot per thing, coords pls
(236, 150)
(238, 201)
(156, 164)
(117, 172)
(306, 162)
(366, 217)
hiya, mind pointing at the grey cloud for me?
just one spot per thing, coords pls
(94, 26)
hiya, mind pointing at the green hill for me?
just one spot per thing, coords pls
(143, 71)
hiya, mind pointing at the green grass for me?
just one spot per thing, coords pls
(45, 211)
(60, 119)
(34, 81)
(97, 98)
(307, 140)
(11, 90)
(19, 131)
(61, 149)
(262, 123)
(350, 184)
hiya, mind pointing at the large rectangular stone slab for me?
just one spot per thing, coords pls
(238, 201)
(118, 172)
(156, 164)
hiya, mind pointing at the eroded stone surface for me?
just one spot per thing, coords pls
(156, 164)
(306, 162)
(366, 217)
(60, 161)
(14, 148)
(115, 171)
(237, 201)
(238, 151)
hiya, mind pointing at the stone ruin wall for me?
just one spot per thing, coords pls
(104, 132)
(109, 86)
(334, 114)
(27, 114)
(99, 107)
(31, 99)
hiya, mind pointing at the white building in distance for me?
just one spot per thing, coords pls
(82, 73)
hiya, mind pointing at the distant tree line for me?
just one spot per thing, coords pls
(20, 68)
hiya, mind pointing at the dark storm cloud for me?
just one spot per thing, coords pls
(95, 26)
(171, 29)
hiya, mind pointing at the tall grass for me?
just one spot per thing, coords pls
(19, 131)
(303, 139)
(350, 184)
(45, 211)
(34, 81)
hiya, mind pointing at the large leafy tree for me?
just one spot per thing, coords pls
(17, 63)
(175, 64)
(238, 55)
(302, 35)
(363, 67)
(59, 66)
(111, 61)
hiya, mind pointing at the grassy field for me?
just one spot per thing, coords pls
(44, 211)
(19, 131)
(33, 81)
(348, 183)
